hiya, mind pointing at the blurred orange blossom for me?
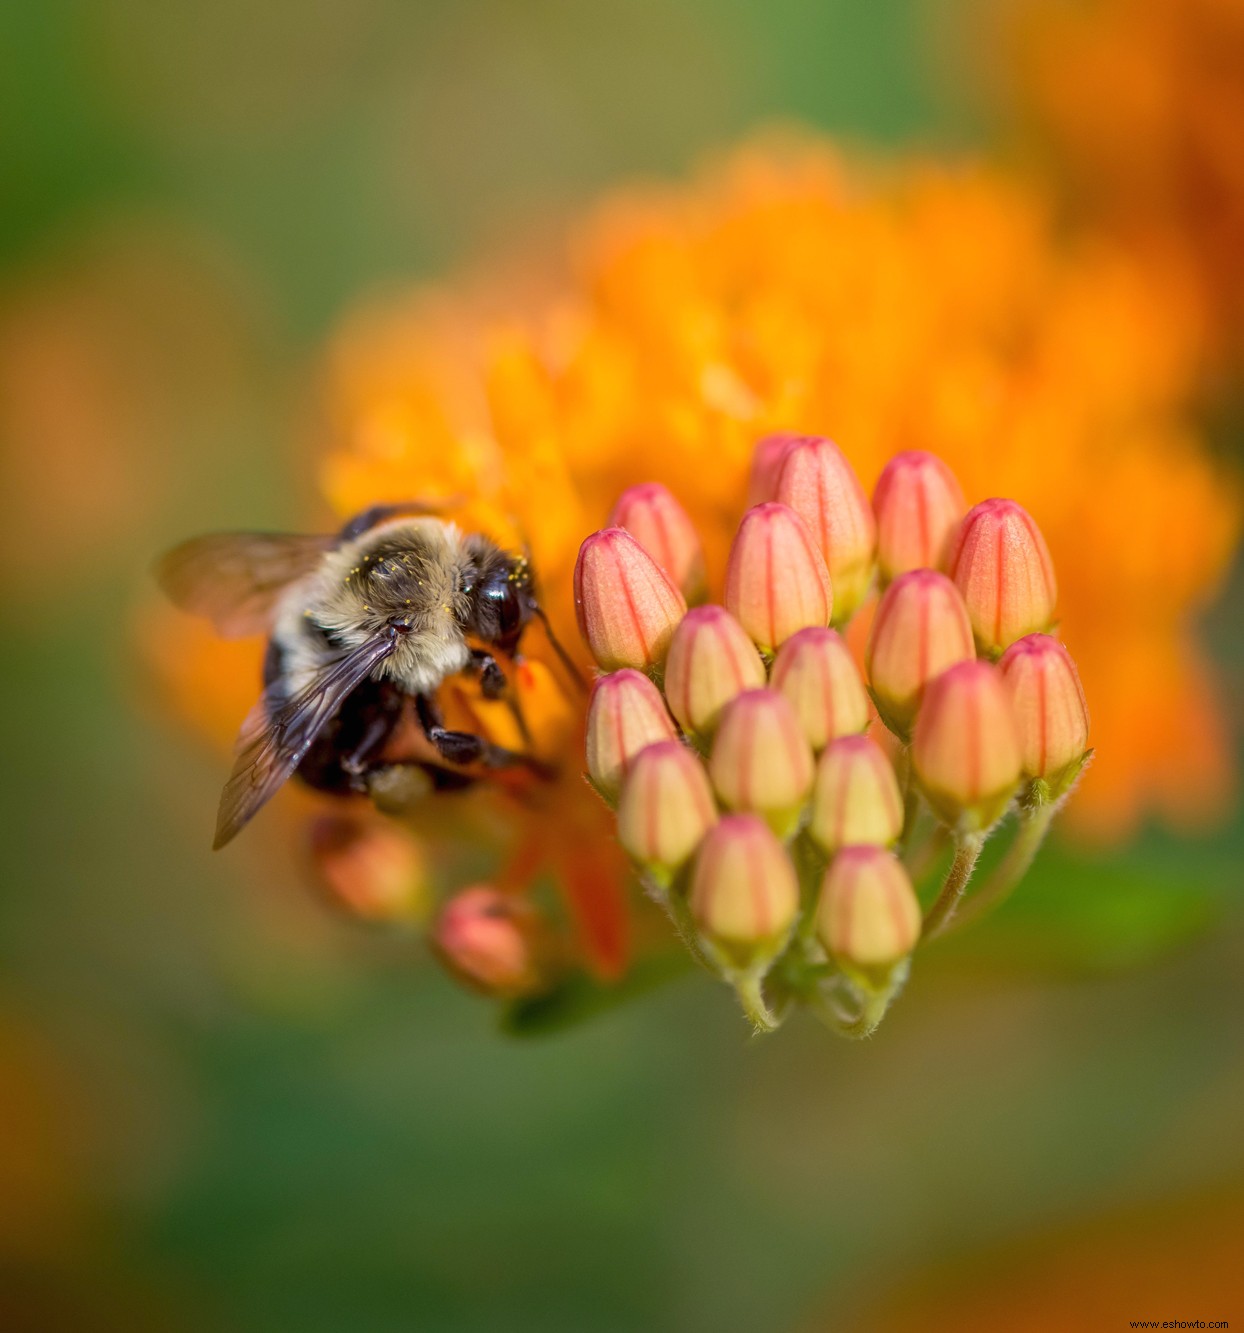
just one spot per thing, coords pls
(916, 306)
(1157, 160)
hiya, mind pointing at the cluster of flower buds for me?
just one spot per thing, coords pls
(759, 800)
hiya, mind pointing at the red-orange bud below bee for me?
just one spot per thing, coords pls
(711, 660)
(490, 940)
(999, 561)
(656, 520)
(626, 605)
(1051, 714)
(917, 502)
(868, 915)
(370, 867)
(921, 628)
(625, 714)
(776, 580)
(818, 483)
(965, 752)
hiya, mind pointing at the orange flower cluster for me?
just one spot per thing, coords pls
(1143, 102)
(928, 308)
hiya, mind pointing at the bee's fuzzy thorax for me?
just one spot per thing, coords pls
(410, 572)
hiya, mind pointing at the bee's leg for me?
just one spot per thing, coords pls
(465, 747)
(492, 681)
(359, 758)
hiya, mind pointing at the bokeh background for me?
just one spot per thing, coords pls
(223, 1107)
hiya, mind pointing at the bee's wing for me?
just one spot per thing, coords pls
(279, 731)
(236, 578)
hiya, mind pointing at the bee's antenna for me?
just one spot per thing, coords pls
(562, 655)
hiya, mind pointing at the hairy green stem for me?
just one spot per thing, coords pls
(967, 849)
(1034, 824)
(751, 995)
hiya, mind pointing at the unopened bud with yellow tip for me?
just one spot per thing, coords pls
(818, 483)
(868, 916)
(666, 808)
(965, 752)
(761, 761)
(626, 604)
(744, 894)
(918, 504)
(776, 579)
(625, 714)
(921, 628)
(999, 561)
(1051, 714)
(711, 661)
(651, 514)
(815, 672)
(855, 798)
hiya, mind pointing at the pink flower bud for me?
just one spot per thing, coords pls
(817, 482)
(776, 580)
(814, 671)
(489, 940)
(766, 464)
(761, 760)
(966, 749)
(1049, 706)
(918, 503)
(855, 799)
(868, 915)
(626, 605)
(656, 520)
(370, 867)
(1001, 564)
(921, 628)
(625, 714)
(744, 893)
(710, 661)
(666, 808)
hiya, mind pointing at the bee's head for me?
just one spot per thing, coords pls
(500, 596)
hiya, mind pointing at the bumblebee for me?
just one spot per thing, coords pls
(364, 626)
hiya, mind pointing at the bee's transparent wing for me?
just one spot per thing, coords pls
(279, 731)
(236, 578)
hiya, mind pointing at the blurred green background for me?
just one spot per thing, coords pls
(223, 1108)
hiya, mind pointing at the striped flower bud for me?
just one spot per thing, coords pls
(921, 628)
(711, 660)
(1001, 564)
(625, 714)
(965, 752)
(814, 671)
(818, 483)
(490, 940)
(1051, 714)
(666, 808)
(656, 520)
(868, 916)
(761, 760)
(855, 798)
(626, 605)
(744, 894)
(766, 464)
(776, 580)
(918, 503)
(370, 867)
